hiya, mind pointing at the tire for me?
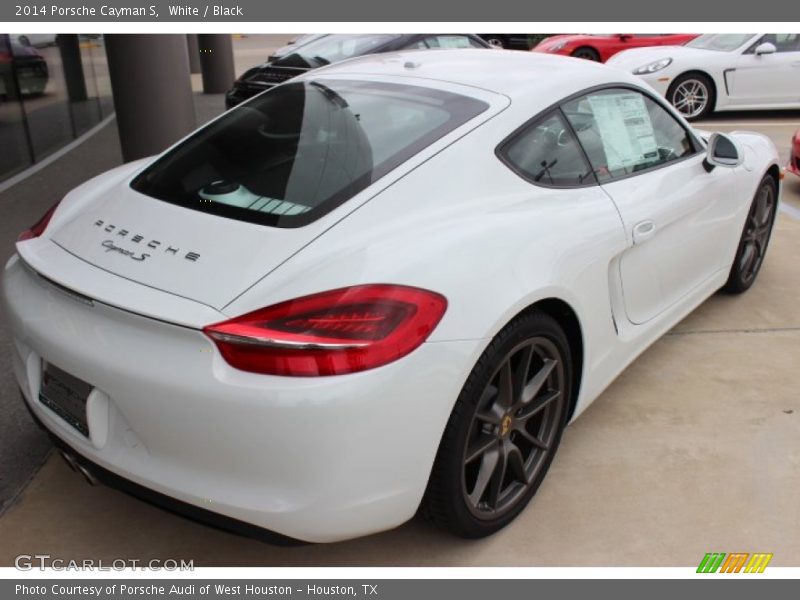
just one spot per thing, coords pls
(496, 41)
(586, 53)
(755, 238)
(468, 494)
(693, 95)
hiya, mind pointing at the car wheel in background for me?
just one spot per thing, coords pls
(586, 53)
(692, 95)
(755, 238)
(504, 429)
(495, 40)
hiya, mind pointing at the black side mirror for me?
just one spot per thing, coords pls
(722, 151)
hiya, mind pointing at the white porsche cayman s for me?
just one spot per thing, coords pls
(385, 285)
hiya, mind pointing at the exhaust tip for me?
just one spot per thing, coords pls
(76, 466)
(69, 459)
(87, 474)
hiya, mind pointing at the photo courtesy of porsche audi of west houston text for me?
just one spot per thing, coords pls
(380, 287)
(116, 12)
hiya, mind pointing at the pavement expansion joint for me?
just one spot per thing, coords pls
(751, 330)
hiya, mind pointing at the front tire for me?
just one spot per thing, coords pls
(586, 53)
(692, 95)
(755, 238)
(504, 430)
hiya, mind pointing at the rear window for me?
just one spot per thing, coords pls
(290, 155)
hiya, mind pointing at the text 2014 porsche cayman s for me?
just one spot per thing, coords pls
(382, 286)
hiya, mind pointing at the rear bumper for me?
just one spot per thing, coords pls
(316, 459)
(177, 507)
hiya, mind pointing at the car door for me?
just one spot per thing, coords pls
(767, 79)
(671, 39)
(677, 216)
(650, 39)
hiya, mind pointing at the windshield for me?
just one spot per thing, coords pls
(333, 48)
(294, 153)
(723, 42)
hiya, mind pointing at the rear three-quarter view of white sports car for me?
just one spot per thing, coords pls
(381, 287)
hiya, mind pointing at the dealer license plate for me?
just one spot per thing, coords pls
(65, 395)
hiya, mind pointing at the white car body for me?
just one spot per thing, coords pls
(743, 80)
(329, 458)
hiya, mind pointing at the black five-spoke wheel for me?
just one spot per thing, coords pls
(504, 430)
(514, 427)
(755, 238)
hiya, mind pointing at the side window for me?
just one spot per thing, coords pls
(624, 131)
(783, 42)
(450, 41)
(547, 153)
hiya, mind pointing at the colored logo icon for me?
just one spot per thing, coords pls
(736, 562)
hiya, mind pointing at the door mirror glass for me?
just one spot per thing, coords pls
(766, 48)
(722, 151)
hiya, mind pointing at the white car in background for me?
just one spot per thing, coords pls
(382, 285)
(721, 71)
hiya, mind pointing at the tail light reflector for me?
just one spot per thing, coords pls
(38, 228)
(340, 331)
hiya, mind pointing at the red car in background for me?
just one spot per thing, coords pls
(603, 47)
(794, 156)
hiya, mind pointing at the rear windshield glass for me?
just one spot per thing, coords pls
(292, 154)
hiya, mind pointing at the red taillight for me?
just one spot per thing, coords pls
(38, 228)
(332, 333)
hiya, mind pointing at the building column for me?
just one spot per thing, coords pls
(194, 52)
(216, 62)
(152, 91)
(69, 47)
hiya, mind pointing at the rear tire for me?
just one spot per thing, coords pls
(586, 53)
(504, 430)
(755, 238)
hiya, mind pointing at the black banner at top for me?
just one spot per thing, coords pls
(444, 11)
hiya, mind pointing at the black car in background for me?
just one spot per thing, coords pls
(29, 66)
(328, 49)
(514, 41)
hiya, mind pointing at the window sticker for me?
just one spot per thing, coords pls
(625, 129)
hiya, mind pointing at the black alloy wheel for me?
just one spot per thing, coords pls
(504, 430)
(755, 238)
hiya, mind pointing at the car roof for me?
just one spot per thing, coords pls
(512, 73)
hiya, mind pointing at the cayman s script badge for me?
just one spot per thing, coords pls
(135, 238)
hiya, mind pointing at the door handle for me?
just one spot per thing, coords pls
(643, 231)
